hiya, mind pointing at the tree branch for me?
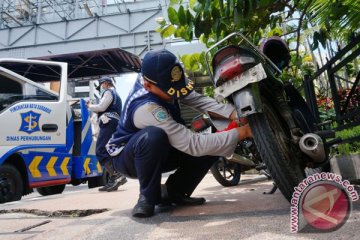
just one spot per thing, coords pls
(291, 8)
(288, 33)
(299, 27)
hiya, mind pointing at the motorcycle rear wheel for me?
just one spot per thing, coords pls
(273, 141)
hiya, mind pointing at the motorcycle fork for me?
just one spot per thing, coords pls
(286, 114)
(248, 101)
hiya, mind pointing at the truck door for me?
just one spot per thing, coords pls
(32, 109)
(33, 116)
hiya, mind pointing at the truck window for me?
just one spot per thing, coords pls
(14, 90)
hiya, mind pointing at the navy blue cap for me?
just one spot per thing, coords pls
(163, 69)
(103, 79)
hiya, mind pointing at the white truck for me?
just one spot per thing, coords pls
(46, 138)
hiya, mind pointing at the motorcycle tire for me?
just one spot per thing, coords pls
(226, 173)
(99, 181)
(281, 156)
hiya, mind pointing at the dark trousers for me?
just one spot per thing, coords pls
(148, 154)
(106, 130)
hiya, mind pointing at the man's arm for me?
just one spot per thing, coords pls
(183, 139)
(208, 105)
(104, 103)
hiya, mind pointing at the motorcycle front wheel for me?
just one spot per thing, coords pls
(273, 141)
(228, 174)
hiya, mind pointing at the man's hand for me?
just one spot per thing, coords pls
(234, 116)
(244, 132)
(232, 124)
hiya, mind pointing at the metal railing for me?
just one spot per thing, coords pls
(345, 117)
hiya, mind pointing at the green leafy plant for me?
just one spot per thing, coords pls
(315, 21)
(326, 108)
(348, 148)
(351, 104)
(208, 91)
(210, 21)
(327, 112)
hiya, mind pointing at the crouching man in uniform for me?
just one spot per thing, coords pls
(108, 110)
(151, 137)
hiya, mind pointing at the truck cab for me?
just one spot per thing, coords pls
(46, 138)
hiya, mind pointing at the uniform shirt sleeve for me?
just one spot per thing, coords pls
(206, 104)
(104, 103)
(182, 138)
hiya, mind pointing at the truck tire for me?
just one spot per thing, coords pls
(46, 191)
(11, 184)
(98, 181)
(282, 158)
(228, 174)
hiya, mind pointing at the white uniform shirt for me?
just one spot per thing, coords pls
(104, 103)
(182, 138)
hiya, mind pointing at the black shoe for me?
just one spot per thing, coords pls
(143, 208)
(169, 197)
(114, 183)
(106, 186)
(118, 181)
(188, 201)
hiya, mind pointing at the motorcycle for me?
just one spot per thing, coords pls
(282, 125)
(227, 171)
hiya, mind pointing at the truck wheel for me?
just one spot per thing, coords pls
(98, 181)
(11, 184)
(46, 191)
(76, 182)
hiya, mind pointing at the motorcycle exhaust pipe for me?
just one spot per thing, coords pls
(236, 158)
(312, 145)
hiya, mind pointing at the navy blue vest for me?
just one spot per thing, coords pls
(115, 105)
(138, 97)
